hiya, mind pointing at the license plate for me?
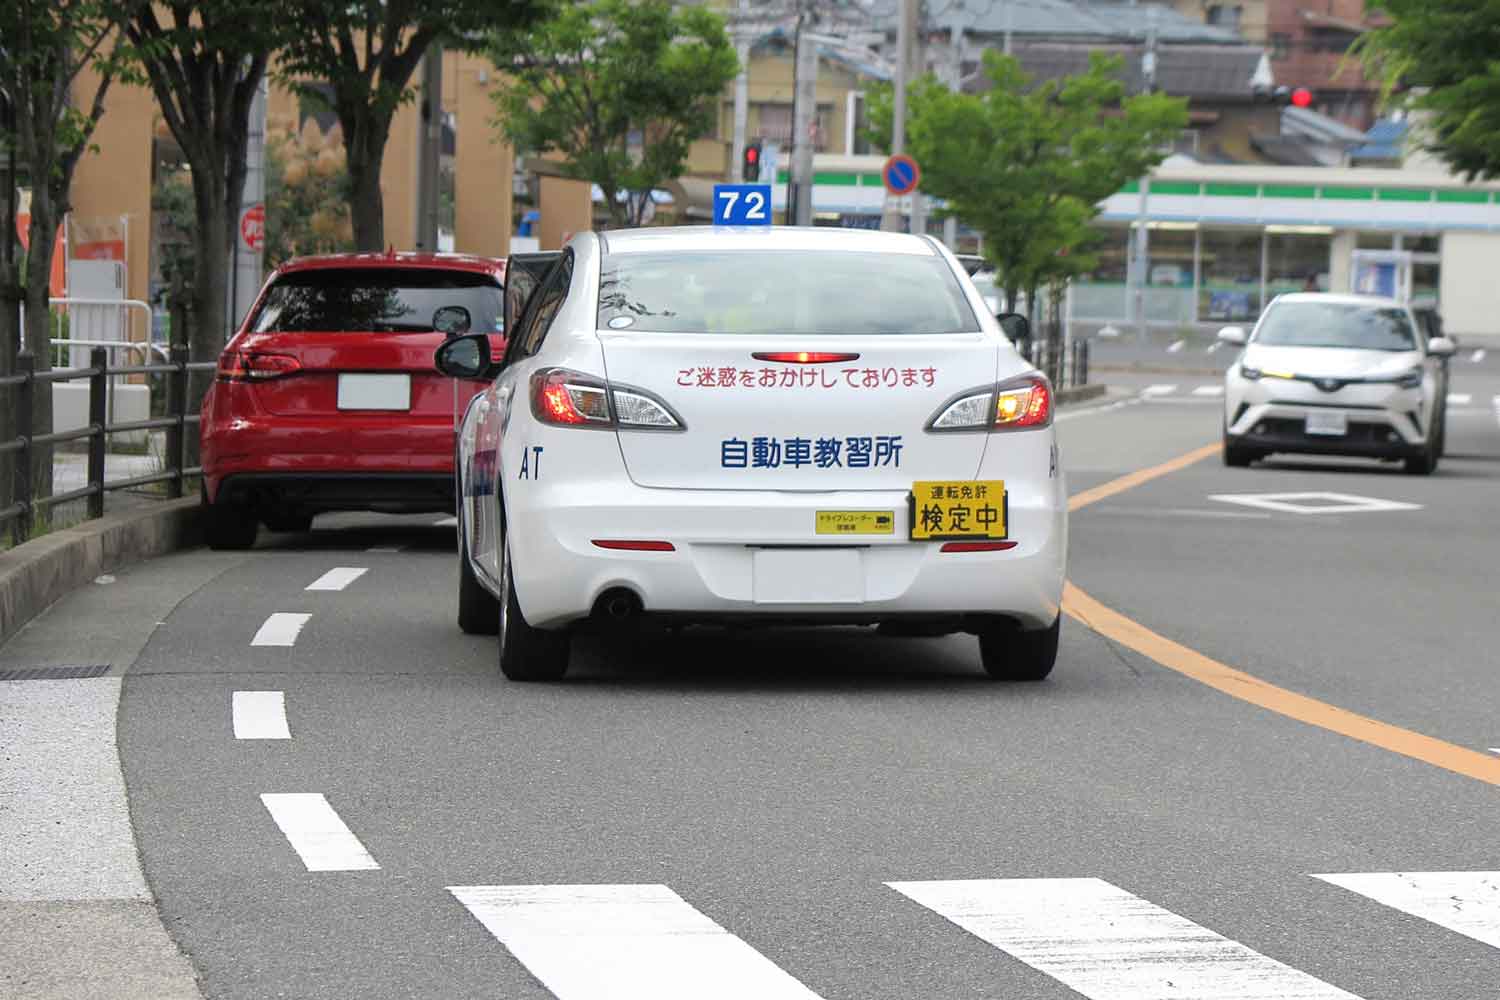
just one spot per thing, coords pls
(960, 509)
(828, 575)
(856, 522)
(1328, 424)
(375, 392)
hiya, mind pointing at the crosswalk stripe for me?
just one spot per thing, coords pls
(316, 832)
(1108, 944)
(1460, 398)
(1466, 903)
(1209, 390)
(624, 942)
(338, 578)
(1158, 390)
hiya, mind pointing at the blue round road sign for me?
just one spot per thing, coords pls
(901, 174)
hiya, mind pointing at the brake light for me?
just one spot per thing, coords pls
(634, 545)
(1019, 404)
(978, 546)
(804, 357)
(571, 399)
(247, 366)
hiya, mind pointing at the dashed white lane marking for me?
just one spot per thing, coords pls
(1460, 398)
(260, 715)
(338, 578)
(1466, 903)
(1494, 749)
(1176, 346)
(385, 548)
(1089, 411)
(1212, 348)
(1108, 944)
(446, 522)
(1158, 390)
(316, 833)
(624, 942)
(280, 629)
(1209, 390)
(1478, 355)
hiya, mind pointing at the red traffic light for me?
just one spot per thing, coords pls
(752, 155)
(1302, 98)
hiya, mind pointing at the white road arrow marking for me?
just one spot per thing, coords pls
(624, 942)
(316, 833)
(260, 715)
(1108, 944)
(281, 629)
(1466, 903)
(1314, 503)
(338, 578)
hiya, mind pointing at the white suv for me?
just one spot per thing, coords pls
(1336, 375)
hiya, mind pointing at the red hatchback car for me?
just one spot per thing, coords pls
(326, 398)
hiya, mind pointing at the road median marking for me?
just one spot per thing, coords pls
(1246, 687)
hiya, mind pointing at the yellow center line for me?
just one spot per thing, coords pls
(1247, 687)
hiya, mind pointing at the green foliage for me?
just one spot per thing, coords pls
(1027, 164)
(1445, 51)
(596, 78)
(307, 208)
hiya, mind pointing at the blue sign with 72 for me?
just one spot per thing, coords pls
(742, 204)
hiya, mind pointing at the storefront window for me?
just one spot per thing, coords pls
(1374, 241)
(1169, 276)
(1425, 276)
(1230, 287)
(1100, 294)
(1296, 263)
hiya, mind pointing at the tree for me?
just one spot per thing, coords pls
(620, 88)
(358, 59)
(204, 61)
(1028, 164)
(1444, 51)
(44, 46)
(307, 185)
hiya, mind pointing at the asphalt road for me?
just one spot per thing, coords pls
(778, 783)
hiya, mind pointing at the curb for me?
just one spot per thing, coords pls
(1081, 393)
(39, 572)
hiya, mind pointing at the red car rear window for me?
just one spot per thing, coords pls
(371, 300)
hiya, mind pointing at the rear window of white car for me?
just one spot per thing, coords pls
(771, 292)
(1336, 324)
(372, 300)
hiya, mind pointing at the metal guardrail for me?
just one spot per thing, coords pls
(21, 513)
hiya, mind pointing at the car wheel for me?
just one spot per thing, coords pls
(227, 526)
(526, 653)
(1425, 463)
(289, 522)
(478, 611)
(1441, 448)
(1237, 456)
(1009, 655)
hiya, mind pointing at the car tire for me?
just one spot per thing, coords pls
(526, 653)
(227, 526)
(295, 523)
(478, 610)
(1010, 655)
(1237, 456)
(1424, 464)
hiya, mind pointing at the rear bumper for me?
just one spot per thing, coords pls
(320, 492)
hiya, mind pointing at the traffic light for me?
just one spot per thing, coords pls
(1297, 97)
(751, 166)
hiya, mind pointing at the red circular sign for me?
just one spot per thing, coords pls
(901, 174)
(253, 228)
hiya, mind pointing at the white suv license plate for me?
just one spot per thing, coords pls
(375, 392)
(1331, 424)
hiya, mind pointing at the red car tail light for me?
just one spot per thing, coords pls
(245, 366)
(1018, 404)
(804, 357)
(571, 399)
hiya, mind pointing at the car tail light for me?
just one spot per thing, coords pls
(634, 545)
(978, 546)
(247, 366)
(1019, 404)
(804, 357)
(571, 399)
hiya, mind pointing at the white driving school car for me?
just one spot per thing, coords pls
(1336, 375)
(738, 427)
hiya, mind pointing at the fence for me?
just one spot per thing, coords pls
(24, 506)
(1066, 367)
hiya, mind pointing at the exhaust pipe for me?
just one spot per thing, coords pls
(618, 606)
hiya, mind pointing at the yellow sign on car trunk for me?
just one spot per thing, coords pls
(958, 510)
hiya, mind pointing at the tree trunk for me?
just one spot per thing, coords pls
(10, 343)
(206, 308)
(44, 224)
(364, 151)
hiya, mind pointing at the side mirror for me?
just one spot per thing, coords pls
(451, 321)
(1234, 335)
(464, 357)
(1441, 347)
(1016, 326)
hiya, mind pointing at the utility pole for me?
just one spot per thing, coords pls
(246, 264)
(804, 119)
(429, 149)
(956, 81)
(890, 218)
(917, 66)
(741, 95)
(1142, 240)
